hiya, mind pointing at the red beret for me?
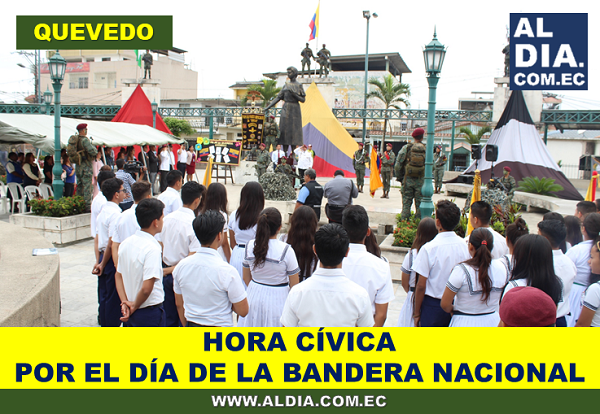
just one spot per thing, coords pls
(81, 126)
(527, 306)
(507, 169)
(361, 144)
(419, 132)
(272, 116)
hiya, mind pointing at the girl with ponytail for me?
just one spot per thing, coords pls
(476, 285)
(270, 270)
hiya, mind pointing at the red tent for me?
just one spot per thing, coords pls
(138, 110)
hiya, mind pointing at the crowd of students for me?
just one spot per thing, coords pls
(183, 260)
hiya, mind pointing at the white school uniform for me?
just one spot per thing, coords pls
(107, 223)
(524, 282)
(171, 199)
(436, 260)
(126, 226)
(178, 236)
(566, 270)
(327, 298)
(209, 287)
(225, 227)
(269, 287)
(464, 281)
(97, 203)
(370, 272)
(500, 248)
(405, 320)
(242, 238)
(139, 260)
(579, 254)
(591, 300)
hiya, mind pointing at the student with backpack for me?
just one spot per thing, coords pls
(81, 153)
(410, 170)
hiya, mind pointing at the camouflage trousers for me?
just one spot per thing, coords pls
(260, 170)
(85, 186)
(360, 175)
(438, 174)
(270, 141)
(386, 178)
(411, 189)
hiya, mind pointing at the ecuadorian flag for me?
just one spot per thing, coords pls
(332, 144)
(314, 25)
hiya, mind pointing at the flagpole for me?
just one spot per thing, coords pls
(317, 23)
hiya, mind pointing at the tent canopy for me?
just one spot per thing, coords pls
(38, 130)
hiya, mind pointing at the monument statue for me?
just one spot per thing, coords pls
(506, 52)
(307, 55)
(324, 60)
(290, 122)
(147, 58)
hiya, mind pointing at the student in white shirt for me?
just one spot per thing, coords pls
(242, 222)
(556, 232)
(305, 161)
(480, 216)
(514, 231)
(533, 265)
(164, 167)
(476, 285)
(140, 287)
(590, 312)
(109, 304)
(206, 287)
(179, 241)
(363, 268)
(276, 155)
(127, 225)
(171, 197)
(584, 208)
(426, 231)
(182, 157)
(216, 199)
(328, 298)
(433, 266)
(580, 255)
(99, 201)
(270, 270)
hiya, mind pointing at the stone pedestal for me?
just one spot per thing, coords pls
(245, 172)
(151, 88)
(533, 99)
(325, 85)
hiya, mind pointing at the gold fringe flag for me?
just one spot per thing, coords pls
(591, 191)
(476, 196)
(208, 173)
(374, 180)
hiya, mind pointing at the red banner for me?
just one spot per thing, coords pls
(71, 67)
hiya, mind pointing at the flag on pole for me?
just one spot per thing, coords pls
(476, 196)
(208, 173)
(591, 191)
(314, 25)
(375, 165)
(138, 57)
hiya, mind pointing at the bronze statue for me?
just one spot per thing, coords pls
(290, 123)
(506, 52)
(324, 60)
(147, 58)
(307, 55)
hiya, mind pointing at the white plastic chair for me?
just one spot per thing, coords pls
(46, 191)
(32, 192)
(18, 197)
(3, 198)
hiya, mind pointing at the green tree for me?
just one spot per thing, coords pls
(179, 126)
(392, 94)
(473, 138)
(267, 91)
(542, 186)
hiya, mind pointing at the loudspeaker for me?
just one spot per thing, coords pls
(465, 179)
(476, 151)
(491, 153)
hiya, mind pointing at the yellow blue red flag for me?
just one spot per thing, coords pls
(375, 180)
(314, 25)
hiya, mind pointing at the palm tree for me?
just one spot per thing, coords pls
(472, 138)
(267, 91)
(391, 94)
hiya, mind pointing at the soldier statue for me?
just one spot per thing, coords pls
(147, 58)
(324, 60)
(307, 55)
(271, 133)
(506, 52)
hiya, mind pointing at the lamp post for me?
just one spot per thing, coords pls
(433, 54)
(57, 66)
(154, 109)
(47, 101)
(366, 15)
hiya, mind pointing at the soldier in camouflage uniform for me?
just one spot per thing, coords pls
(271, 133)
(412, 184)
(358, 162)
(84, 170)
(509, 182)
(439, 160)
(387, 165)
(262, 161)
(285, 168)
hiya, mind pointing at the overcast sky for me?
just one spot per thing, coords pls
(231, 41)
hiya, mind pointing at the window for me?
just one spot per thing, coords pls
(78, 81)
(105, 80)
(403, 126)
(105, 59)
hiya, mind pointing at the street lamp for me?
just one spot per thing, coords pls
(154, 109)
(366, 15)
(433, 54)
(47, 100)
(57, 66)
